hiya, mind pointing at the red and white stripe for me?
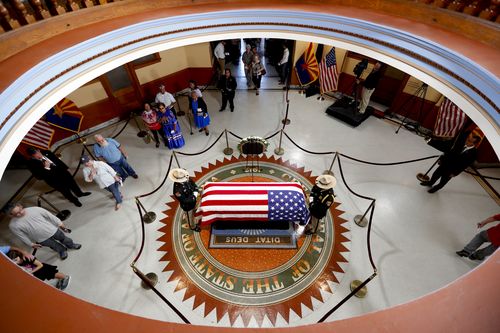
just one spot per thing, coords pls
(40, 135)
(450, 120)
(239, 201)
(328, 77)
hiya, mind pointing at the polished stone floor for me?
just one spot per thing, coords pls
(414, 234)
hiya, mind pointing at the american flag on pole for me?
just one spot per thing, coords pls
(328, 75)
(450, 120)
(40, 135)
(243, 201)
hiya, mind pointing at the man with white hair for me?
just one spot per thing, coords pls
(105, 176)
(37, 227)
(166, 98)
(112, 152)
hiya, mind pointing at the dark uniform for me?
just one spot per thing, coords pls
(184, 193)
(227, 87)
(322, 200)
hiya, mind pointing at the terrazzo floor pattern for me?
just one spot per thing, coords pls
(414, 235)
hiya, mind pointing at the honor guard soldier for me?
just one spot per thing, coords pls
(322, 197)
(185, 191)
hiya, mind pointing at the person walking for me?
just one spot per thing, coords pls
(200, 113)
(283, 65)
(113, 153)
(105, 177)
(369, 86)
(48, 167)
(492, 236)
(227, 85)
(220, 56)
(257, 71)
(247, 58)
(166, 98)
(37, 227)
(171, 127)
(452, 163)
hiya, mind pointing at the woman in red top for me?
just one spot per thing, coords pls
(150, 118)
(492, 235)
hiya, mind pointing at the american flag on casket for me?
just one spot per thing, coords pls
(242, 201)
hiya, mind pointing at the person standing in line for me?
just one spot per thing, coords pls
(452, 163)
(492, 236)
(369, 86)
(227, 85)
(200, 113)
(283, 65)
(48, 167)
(39, 269)
(247, 58)
(150, 118)
(322, 197)
(193, 87)
(37, 227)
(166, 98)
(257, 71)
(220, 55)
(113, 153)
(171, 127)
(105, 177)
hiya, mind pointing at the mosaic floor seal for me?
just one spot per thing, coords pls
(253, 283)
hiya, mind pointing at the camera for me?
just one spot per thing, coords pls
(360, 67)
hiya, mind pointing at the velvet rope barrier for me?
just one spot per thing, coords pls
(203, 151)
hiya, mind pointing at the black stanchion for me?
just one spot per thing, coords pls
(148, 217)
(142, 133)
(279, 150)
(424, 177)
(329, 171)
(61, 214)
(361, 220)
(228, 150)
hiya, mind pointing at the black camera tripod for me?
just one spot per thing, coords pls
(421, 92)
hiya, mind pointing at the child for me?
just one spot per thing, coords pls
(40, 270)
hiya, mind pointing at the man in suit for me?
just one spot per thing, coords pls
(452, 163)
(48, 167)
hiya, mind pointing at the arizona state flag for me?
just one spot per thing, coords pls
(65, 115)
(306, 67)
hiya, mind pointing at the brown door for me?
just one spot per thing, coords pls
(123, 88)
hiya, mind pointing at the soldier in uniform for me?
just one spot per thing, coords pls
(322, 197)
(185, 191)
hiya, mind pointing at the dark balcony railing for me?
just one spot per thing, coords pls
(17, 13)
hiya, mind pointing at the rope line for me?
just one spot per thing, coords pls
(162, 182)
(236, 136)
(307, 151)
(388, 163)
(272, 135)
(203, 151)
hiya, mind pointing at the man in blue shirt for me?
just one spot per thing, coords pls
(110, 151)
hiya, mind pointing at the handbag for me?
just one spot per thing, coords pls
(263, 72)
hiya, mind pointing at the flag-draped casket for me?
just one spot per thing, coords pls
(244, 201)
